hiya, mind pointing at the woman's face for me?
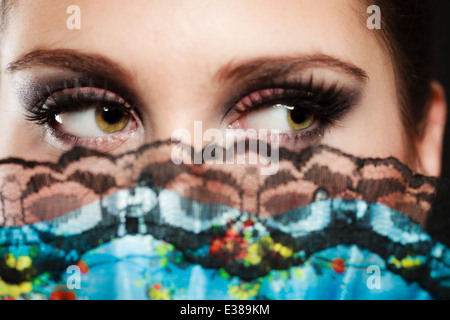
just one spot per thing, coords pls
(136, 72)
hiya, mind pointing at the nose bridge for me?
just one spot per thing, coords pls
(180, 99)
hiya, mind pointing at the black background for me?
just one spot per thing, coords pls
(438, 222)
(442, 27)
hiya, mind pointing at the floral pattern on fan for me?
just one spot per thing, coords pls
(220, 218)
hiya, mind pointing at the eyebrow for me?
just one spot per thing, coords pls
(279, 66)
(259, 68)
(91, 64)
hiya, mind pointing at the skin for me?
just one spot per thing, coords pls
(175, 49)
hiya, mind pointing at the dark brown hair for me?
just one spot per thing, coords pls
(5, 9)
(408, 32)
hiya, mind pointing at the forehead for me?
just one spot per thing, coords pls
(194, 31)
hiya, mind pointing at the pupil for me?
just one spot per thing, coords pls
(298, 115)
(112, 115)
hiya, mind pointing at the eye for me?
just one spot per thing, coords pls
(299, 113)
(284, 118)
(94, 122)
(86, 116)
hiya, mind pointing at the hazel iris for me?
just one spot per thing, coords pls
(299, 119)
(111, 119)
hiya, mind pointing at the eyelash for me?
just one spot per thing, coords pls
(328, 103)
(72, 99)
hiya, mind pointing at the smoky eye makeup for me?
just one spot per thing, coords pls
(40, 92)
(79, 110)
(101, 112)
(301, 108)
